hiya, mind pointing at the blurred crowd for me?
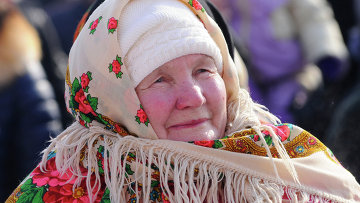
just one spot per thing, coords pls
(302, 58)
(302, 61)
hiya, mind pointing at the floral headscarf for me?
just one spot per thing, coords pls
(99, 90)
(251, 165)
(98, 85)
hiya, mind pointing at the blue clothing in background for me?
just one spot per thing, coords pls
(29, 116)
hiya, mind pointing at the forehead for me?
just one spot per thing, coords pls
(190, 61)
(178, 65)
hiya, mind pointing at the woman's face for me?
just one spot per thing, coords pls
(185, 99)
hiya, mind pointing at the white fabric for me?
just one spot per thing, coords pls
(165, 30)
(245, 178)
(326, 39)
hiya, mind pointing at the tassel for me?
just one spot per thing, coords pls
(195, 178)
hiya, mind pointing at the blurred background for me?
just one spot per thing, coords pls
(302, 59)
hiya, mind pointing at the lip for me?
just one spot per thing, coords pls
(189, 124)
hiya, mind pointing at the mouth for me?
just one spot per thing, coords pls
(189, 124)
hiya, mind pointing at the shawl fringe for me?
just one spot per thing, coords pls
(194, 179)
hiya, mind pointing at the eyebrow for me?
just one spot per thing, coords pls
(199, 61)
(202, 61)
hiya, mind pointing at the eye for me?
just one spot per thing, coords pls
(159, 80)
(202, 70)
(206, 71)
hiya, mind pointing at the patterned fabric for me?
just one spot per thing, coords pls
(51, 186)
(90, 99)
(115, 155)
(85, 106)
(248, 142)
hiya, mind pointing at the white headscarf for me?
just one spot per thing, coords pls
(100, 93)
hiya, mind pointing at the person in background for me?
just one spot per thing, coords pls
(290, 47)
(53, 59)
(331, 111)
(161, 117)
(29, 114)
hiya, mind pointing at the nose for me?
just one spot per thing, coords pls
(189, 96)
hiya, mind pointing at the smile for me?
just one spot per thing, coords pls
(189, 124)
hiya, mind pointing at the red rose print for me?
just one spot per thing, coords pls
(84, 80)
(84, 105)
(205, 143)
(116, 66)
(94, 24)
(142, 115)
(282, 131)
(112, 24)
(266, 132)
(66, 193)
(52, 177)
(61, 189)
(196, 5)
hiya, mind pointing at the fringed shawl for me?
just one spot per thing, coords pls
(237, 168)
(111, 152)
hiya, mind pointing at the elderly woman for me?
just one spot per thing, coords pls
(161, 118)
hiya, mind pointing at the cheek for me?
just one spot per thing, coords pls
(215, 94)
(157, 108)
